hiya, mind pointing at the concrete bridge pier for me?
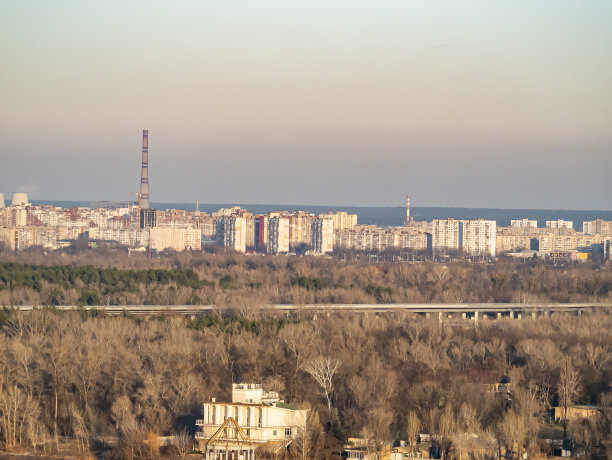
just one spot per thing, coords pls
(499, 315)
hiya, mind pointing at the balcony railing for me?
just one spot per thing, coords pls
(199, 435)
(200, 422)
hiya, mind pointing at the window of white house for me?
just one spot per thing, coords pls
(288, 432)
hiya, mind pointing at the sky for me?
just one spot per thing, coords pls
(504, 104)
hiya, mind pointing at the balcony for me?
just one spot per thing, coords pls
(200, 422)
(199, 435)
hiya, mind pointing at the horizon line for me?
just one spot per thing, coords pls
(331, 206)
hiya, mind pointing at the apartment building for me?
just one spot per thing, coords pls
(231, 233)
(597, 227)
(445, 234)
(177, 239)
(511, 243)
(524, 223)
(559, 223)
(322, 235)
(300, 228)
(343, 220)
(370, 237)
(277, 235)
(479, 237)
(473, 237)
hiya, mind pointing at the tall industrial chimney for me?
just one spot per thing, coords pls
(144, 175)
(407, 209)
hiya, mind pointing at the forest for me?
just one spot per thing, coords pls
(85, 377)
(242, 282)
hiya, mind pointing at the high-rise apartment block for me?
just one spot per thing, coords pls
(232, 233)
(445, 234)
(343, 220)
(300, 228)
(148, 218)
(597, 227)
(323, 235)
(524, 223)
(559, 223)
(478, 237)
(278, 235)
(473, 237)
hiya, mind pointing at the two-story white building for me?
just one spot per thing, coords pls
(260, 415)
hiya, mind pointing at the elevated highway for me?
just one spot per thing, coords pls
(469, 309)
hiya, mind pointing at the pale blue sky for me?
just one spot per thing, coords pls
(463, 103)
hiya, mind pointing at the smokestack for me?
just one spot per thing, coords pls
(144, 174)
(407, 209)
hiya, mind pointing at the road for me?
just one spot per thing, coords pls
(468, 308)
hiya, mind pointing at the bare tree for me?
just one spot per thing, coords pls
(567, 389)
(413, 427)
(323, 369)
(306, 441)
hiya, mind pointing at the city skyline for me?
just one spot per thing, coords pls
(464, 105)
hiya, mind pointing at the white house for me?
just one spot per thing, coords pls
(258, 418)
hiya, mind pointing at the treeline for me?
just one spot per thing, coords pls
(246, 281)
(72, 375)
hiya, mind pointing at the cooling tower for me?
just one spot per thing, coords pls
(20, 199)
(1, 200)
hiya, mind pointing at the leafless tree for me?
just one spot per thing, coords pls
(322, 369)
(412, 425)
(567, 389)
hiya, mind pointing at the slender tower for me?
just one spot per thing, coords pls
(144, 175)
(407, 209)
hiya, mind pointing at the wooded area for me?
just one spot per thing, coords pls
(114, 278)
(81, 376)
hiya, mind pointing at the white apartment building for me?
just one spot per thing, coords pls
(524, 223)
(232, 233)
(370, 237)
(323, 235)
(278, 235)
(559, 223)
(343, 220)
(177, 239)
(597, 227)
(445, 234)
(260, 415)
(473, 237)
(479, 237)
(300, 228)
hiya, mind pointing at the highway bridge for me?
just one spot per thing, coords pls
(468, 310)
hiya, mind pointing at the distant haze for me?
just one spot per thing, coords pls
(504, 104)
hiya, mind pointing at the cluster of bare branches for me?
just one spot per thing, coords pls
(74, 376)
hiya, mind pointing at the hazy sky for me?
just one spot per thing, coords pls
(474, 103)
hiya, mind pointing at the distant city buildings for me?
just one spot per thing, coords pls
(23, 225)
